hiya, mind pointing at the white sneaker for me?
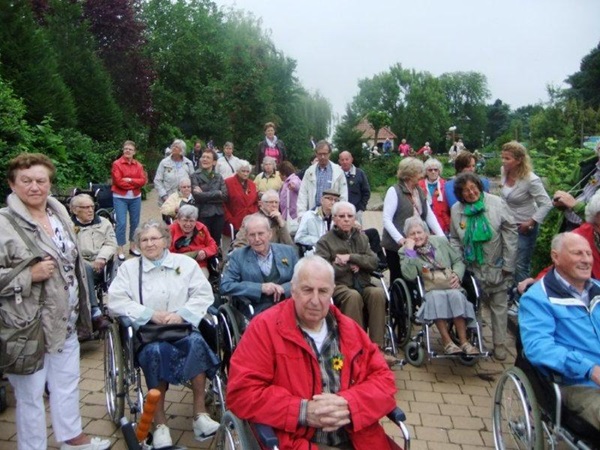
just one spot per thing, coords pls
(95, 444)
(162, 437)
(204, 426)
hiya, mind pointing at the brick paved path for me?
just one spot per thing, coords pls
(448, 406)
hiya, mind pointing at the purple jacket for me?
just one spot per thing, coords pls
(294, 182)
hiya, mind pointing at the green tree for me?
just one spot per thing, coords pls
(585, 84)
(98, 114)
(378, 120)
(29, 62)
(498, 120)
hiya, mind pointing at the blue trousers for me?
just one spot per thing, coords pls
(122, 206)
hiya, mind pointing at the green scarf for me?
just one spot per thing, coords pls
(478, 231)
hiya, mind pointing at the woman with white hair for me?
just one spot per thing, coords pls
(182, 196)
(171, 170)
(434, 187)
(269, 178)
(242, 200)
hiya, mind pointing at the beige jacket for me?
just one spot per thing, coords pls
(56, 310)
(96, 240)
(500, 251)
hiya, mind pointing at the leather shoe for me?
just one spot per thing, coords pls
(500, 352)
(121, 257)
(100, 323)
(135, 253)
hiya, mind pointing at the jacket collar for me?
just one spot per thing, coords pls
(169, 262)
(555, 289)
(95, 221)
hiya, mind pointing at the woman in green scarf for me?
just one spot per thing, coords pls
(485, 232)
(209, 191)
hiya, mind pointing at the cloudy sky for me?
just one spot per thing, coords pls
(520, 45)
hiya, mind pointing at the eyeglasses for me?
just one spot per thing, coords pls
(433, 169)
(85, 206)
(150, 240)
(271, 202)
(331, 199)
(322, 155)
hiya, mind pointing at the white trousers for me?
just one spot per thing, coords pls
(61, 373)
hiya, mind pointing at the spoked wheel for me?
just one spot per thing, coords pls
(471, 337)
(229, 336)
(233, 434)
(134, 395)
(114, 377)
(401, 313)
(516, 418)
(214, 398)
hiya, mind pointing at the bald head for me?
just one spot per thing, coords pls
(345, 160)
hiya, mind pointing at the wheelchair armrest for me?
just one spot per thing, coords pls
(377, 274)
(397, 415)
(124, 322)
(213, 311)
(266, 435)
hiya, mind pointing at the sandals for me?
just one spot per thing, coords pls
(468, 349)
(451, 349)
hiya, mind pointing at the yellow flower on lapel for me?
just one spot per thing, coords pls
(337, 362)
(284, 261)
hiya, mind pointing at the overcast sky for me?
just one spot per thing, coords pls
(519, 45)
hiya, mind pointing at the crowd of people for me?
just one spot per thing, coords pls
(206, 201)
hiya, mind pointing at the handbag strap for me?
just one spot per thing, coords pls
(140, 282)
(37, 256)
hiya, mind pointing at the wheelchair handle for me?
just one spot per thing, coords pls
(266, 434)
(397, 415)
(146, 420)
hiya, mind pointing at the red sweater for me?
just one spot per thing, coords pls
(240, 202)
(273, 369)
(202, 241)
(122, 168)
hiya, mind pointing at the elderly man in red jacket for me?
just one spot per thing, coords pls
(312, 373)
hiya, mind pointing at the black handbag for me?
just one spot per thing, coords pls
(155, 332)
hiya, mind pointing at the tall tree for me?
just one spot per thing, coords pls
(498, 120)
(29, 62)
(585, 84)
(120, 39)
(98, 114)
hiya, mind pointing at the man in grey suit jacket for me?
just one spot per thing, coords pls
(260, 271)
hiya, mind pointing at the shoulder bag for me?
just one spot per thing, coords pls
(22, 343)
(154, 332)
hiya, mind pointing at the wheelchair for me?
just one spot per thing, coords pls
(528, 412)
(237, 434)
(406, 298)
(102, 195)
(123, 386)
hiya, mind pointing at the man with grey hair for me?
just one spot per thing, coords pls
(268, 206)
(228, 164)
(320, 177)
(559, 322)
(359, 191)
(291, 369)
(348, 250)
(260, 271)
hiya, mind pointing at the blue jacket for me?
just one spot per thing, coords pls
(242, 276)
(559, 332)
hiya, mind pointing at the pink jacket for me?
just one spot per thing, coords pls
(273, 369)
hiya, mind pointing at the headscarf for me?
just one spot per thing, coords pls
(477, 232)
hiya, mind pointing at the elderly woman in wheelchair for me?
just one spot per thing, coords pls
(164, 288)
(442, 269)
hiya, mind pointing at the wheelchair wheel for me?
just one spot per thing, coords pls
(517, 423)
(414, 353)
(401, 313)
(229, 335)
(114, 376)
(234, 434)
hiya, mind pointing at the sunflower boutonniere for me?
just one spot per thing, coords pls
(337, 362)
(178, 270)
(463, 225)
(285, 262)
(76, 228)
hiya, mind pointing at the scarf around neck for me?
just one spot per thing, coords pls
(477, 231)
(271, 143)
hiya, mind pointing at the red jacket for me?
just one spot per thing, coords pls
(202, 241)
(240, 203)
(274, 368)
(439, 207)
(121, 169)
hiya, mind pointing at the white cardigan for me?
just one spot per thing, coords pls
(177, 285)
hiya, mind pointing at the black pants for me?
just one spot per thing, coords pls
(393, 261)
(215, 226)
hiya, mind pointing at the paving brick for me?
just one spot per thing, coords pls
(94, 411)
(431, 434)
(419, 385)
(435, 420)
(479, 400)
(447, 388)
(465, 437)
(468, 423)
(457, 399)
(481, 411)
(442, 446)
(455, 410)
(421, 407)
(469, 389)
(430, 397)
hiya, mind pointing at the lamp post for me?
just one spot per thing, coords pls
(452, 130)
